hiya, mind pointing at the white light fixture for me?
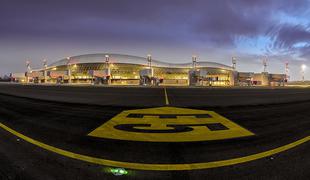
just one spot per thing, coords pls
(303, 68)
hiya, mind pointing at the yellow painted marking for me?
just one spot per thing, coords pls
(199, 133)
(166, 97)
(157, 167)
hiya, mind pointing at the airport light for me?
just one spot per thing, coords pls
(68, 58)
(265, 64)
(45, 63)
(28, 70)
(119, 171)
(287, 71)
(107, 58)
(194, 60)
(149, 60)
(303, 68)
(28, 65)
(45, 67)
(234, 62)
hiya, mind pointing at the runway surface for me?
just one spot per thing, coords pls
(63, 118)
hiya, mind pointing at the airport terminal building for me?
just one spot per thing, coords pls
(118, 69)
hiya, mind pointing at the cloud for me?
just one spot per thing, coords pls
(286, 36)
(226, 20)
(278, 28)
(210, 22)
(290, 40)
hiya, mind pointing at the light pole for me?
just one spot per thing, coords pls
(234, 62)
(69, 69)
(28, 71)
(45, 68)
(45, 63)
(28, 65)
(303, 68)
(287, 72)
(194, 61)
(107, 59)
(108, 71)
(149, 60)
(265, 64)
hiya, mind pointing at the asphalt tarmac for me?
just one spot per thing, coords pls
(155, 96)
(63, 117)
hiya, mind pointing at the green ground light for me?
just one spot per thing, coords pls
(118, 171)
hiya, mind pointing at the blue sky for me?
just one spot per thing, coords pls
(171, 31)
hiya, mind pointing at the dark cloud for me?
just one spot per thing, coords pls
(195, 24)
(211, 22)
(224, 21)
(286, 36)
(112, 20)
(291, 41)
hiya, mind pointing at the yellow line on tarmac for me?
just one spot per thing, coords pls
(166, 97)
(157, 167)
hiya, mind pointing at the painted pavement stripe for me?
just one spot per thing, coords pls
(166, 97)
(157, 167)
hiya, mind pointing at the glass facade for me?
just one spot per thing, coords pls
(124, 69)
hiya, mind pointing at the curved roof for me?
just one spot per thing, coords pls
(128, 59)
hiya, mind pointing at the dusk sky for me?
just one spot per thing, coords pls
(170, 30)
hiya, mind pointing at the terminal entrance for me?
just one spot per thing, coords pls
(204, 78)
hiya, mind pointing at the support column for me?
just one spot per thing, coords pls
(45, 76)
(69, 74)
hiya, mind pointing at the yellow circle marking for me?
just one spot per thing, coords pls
(196, 120)
(156, 167)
